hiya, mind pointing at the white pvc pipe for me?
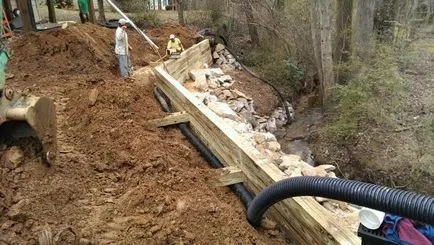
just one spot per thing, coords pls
(155, 47)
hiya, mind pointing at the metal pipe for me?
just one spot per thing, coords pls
(153, 45)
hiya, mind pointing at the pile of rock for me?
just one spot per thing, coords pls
(237, 110)
(215, 86)
(223, 58)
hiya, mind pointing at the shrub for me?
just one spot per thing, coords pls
(282, 70)
(371, 98)
(146, 19)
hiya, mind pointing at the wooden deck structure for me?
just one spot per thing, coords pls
(305, 220)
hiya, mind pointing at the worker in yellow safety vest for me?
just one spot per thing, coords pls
(174, 45)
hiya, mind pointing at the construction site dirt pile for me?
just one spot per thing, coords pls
(87, 49)
(116, 180)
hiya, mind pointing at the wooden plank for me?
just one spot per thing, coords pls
(173, 118)
(305, 220)
(230, 176)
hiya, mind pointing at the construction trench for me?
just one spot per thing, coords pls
(126, 175)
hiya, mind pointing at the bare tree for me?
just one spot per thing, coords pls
(253, 31)
(101, 13)
(160, 5)
(180, 8)
(363, 26)
(344, 18)
(322, 44)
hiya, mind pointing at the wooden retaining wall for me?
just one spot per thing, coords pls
(305, 220)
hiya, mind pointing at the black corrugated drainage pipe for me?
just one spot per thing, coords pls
(402, 203)
(279, 94)
(245, 196)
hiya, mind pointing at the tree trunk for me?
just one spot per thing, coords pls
(101, 12)
(253, 31)
(326, 50)
(51, 11)
(322, 45)
(92, 18)
(160, 5)
(343, 30)
(180, 8)
(316, 38)
(363, 26)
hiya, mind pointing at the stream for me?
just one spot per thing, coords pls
(294, 138)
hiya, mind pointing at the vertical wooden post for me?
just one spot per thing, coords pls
(92, 18)
(25, 15)
(51, 12)
(101, 17)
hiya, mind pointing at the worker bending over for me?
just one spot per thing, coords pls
(174, 45)
(122, 49)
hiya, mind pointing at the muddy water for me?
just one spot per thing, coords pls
(294, 138)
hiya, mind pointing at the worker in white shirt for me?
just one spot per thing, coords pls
(122, 49)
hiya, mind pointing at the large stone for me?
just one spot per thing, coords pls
(259, 137)
(219, 62)
(199, 73)
(215, 55)
(14, 157)
(223, 110)
(270, 137)
(210, 98)
(216, 72)
(239, 94)
(314, 172)
(231, 61)
(224, 79)
(213, 84)
(271, 125)
(240, 127)
(227, 67)
(223, 58)
(219, 47)
(291, 159)
(248, 116)
(93, 96)
(273, 146)
(227, 85)
(238, 106)
(228, 95)
(327, 167)
(200, 83)
(284, 166)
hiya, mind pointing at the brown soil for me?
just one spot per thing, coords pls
(116, 180)
(262, 94)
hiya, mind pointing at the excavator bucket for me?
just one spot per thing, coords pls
(23, 116)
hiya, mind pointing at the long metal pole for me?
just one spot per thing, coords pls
(153, 45)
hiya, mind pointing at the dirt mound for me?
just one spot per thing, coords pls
(185, 34)
(86, 49)
(116, 179)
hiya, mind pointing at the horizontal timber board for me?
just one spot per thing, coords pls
(303, 218)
